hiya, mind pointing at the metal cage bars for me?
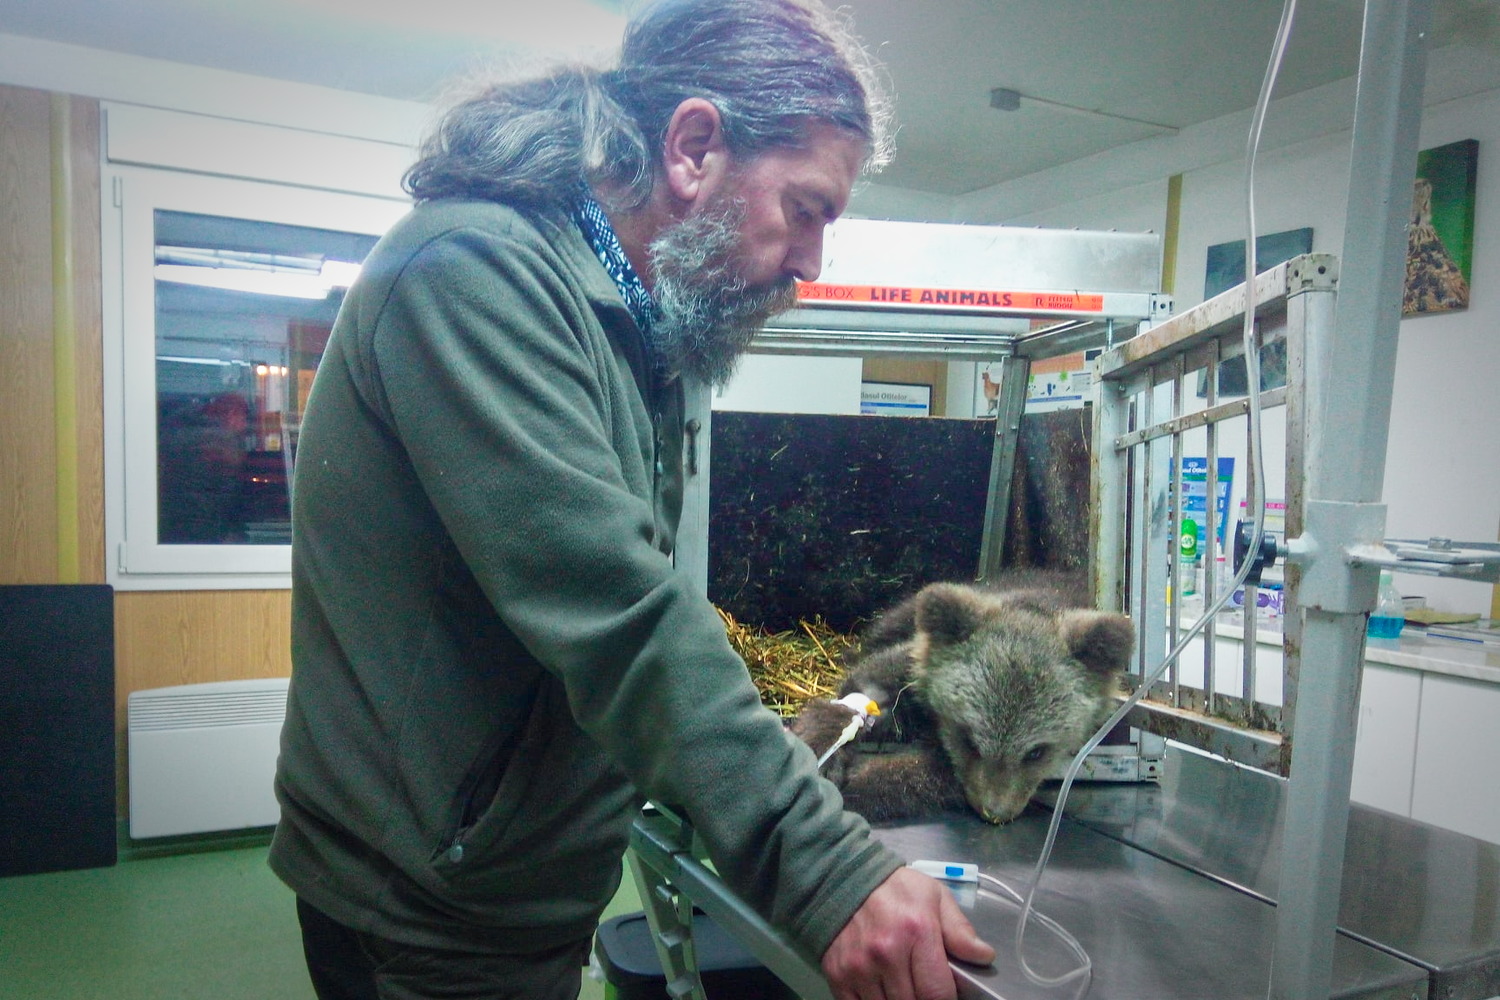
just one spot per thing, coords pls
(1145, 410)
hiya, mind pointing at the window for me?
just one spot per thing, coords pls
(243, 311)
(228, 290)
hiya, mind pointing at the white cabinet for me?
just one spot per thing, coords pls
(1385, 743)
(1458, 737)
(1429, 723)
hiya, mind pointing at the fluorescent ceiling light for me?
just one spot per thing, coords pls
(288, 278)
(289, 286)
(182, 360)
(339, 273)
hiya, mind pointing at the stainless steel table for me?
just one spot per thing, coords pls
(1424, 894)
(1154, 929)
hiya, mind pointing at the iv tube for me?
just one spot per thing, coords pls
(1254, 502)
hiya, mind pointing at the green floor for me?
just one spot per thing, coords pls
(215, 925)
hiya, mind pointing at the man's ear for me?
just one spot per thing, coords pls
(694, 155)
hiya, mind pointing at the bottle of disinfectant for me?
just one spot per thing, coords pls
(1389, 616)
(1187, 558)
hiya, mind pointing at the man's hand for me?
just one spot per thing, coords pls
(896, 946)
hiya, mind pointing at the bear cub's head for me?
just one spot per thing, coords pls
(1016, 686)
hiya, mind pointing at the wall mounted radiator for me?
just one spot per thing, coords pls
(203, 756)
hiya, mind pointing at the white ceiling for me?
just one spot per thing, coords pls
(1173, 63)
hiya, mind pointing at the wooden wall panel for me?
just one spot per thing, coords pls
(28, 426)
(88, 317)
(165, 638)
(28, 464)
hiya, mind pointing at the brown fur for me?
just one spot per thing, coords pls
(984, 691)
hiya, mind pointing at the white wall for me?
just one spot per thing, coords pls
(1443, 459)
(872, 200)
(73, 69)
(1141, 208)
(779, 383)
(1300, 186)
(1442, 472)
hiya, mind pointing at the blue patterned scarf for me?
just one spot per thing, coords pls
(606, 245)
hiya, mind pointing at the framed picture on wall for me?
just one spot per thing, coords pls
(1226, 261)
(1226, 268)
(1440, 241)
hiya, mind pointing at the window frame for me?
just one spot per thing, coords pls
(138, 560)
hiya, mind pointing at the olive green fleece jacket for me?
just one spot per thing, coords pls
(493, 658)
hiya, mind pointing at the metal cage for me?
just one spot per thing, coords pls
(1158, 399)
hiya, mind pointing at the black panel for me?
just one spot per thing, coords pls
(840, 516)
(57, 728)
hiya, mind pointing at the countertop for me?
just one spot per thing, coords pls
(1414, 650)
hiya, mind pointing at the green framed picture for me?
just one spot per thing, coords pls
(1440, 242)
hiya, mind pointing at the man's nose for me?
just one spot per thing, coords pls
(805, 259)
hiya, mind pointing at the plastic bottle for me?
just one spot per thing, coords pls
(1389, 616)
(1187, 558)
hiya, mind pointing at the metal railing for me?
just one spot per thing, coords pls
(1159, 402)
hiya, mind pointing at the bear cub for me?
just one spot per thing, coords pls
(984, 692)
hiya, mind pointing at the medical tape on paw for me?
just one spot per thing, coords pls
(864, 709)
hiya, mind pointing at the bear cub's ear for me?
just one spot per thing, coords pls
(1101, 641)
(948, 613)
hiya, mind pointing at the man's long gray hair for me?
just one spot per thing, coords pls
(771, 67)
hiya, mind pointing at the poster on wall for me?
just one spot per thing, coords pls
(1064, 382)
(895, 399)
(1195, 497)
(1225, 269)
(1226, 261)
(1060, 383)
(1440, 240)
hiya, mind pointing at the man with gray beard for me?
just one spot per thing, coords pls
(494, 661)
(706, 313)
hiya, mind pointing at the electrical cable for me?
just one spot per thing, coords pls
(1255, 501)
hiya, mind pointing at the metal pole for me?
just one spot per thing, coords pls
(1176, 571)
(1158, 537)
(1349, 387)
(1210, 554)
(1311, 303)
(1356, 407)
(1251, 612)
(691, 551)
(1010, 406)
(1109, 495)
